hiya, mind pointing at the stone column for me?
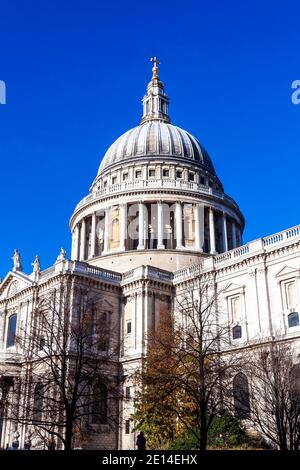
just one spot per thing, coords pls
(76, 243)
(199, 227)
(224, 233)
(160, 226)
(123, 226)
(241, 236)
(93, 236)
(82, 240)
(178, 222)
(106, 232)
(212, 232)
(234, 244)
(141, 244)
(2, 335)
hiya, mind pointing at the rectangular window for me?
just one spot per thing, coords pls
(179, 174)
(293, 319)
(151, 173)
(104, 184)
(166, 173)
(125, 176)
(127, 426)
(127, 392)
(202, 180)
(102, 330)
(191, 176)
(128, 328)
(114, 180)
(11, 330)
(138, 174)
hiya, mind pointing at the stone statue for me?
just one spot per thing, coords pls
(27, 442)
(17, 261)
(36, 265)
(16, 442)
(61, 256)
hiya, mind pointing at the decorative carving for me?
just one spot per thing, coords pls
(252, 272)
(13, 288)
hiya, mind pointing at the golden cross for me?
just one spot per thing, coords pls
(156, 63)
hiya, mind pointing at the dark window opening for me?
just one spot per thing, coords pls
(99, 408)
(11, 330)
(241, 396)
(127, 392)
(179, 174)
(151, 173)
(127, 426)
(237, 332)
(37, 403)
(165, 173)
(293, 319)
(128, 327)
(42, 343)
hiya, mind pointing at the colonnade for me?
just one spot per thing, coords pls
(202, 222)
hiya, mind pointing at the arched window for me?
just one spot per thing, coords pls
(241, 396)
(293, 319)
(11, 330)
(99, 404)
(236, 332)
(37, 402)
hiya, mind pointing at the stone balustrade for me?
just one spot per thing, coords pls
(157, 184)
(99, 273)
(254, 247)
(147, 272)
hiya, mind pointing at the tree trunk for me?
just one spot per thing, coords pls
(203, 427)
(68, 436)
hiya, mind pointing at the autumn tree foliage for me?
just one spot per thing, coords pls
(156, 398)
(187, 375)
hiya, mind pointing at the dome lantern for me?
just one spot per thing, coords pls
(156, 102)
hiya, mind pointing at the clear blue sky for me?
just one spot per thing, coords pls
(75, 75)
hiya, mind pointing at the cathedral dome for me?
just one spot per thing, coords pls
(156, 189)
(156, 138)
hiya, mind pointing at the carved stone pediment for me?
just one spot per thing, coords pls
(288, 271)
(14, 283)
(233, 288)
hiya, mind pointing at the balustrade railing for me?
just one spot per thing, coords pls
(148, 184)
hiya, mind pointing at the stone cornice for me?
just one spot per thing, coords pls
(163, 193)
